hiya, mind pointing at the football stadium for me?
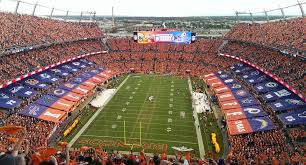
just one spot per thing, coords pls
(100, 83)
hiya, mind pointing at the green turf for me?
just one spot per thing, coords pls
(131, 104)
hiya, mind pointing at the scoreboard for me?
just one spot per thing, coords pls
(172, 37)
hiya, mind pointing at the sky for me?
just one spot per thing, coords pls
(158, 8)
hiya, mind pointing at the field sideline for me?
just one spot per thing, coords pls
(162, 120)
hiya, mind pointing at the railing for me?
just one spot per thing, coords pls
(266, 13)
(65, 14)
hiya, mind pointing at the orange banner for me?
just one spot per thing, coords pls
(81, 89)
(63, 104)
(239, 127)
(233, 104)
(52, 115)
(222, 89)
(225, 97)
(234, 114)
(71, 96)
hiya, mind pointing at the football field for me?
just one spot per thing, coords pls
(148, 111)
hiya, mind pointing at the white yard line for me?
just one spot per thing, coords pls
(153, 123)
(198, 129)
(171, 141)
(75, 138)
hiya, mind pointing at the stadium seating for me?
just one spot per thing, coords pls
(23, 30)
(286, 35)
(201, 58)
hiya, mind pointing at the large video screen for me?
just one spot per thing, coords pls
(172, 37)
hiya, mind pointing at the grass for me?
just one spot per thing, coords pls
(160, 119)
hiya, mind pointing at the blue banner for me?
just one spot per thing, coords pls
(86, 61)
(297, 117)
(278, 94)
(47, 78)
(58, 72)
(35, 83)
(79, 80)
(20, 91)
(78, 64)
(229, 81)
(224, 76)
(287, 104)
(69, 86)
(260, 79)
(252, 74)
(241, 70)
(46, 100)
(69, 68)
(261, 124)
(59, 92)
(235, 86)
(253, 111)
(239, 94)
(8, 102)
(33, 110)
(246, 102)
(267, 86)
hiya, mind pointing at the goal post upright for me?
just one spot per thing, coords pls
(140, 133)
(124, 137)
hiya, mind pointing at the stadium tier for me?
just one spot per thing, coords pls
(70, 92)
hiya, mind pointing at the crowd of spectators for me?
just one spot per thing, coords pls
(24, 30)
(297, 134)
(20, 155)
(198, 58)
(285, 34)
(289, 69)
(251, 148)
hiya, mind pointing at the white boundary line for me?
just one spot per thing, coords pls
(75, 138)
(196, 124)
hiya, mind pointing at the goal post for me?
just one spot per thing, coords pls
(125, 138)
